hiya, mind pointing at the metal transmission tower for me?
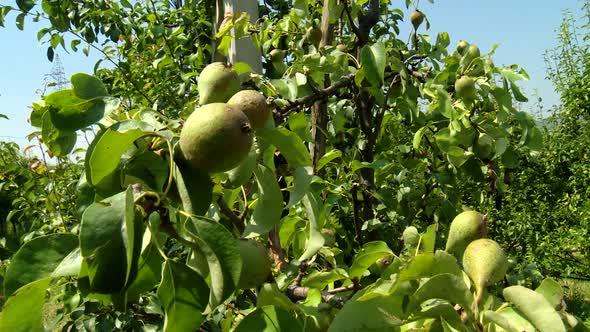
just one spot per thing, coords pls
(56, 79)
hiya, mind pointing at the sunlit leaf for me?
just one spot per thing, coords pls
(535, 308)
(24, 310)
(269, 207)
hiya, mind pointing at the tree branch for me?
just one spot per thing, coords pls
(320, 94)
(236, 220)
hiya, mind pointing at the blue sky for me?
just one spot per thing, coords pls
(524, 30)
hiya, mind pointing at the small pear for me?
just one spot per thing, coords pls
(217, 83)
(416, 17)
(485, 263)
(465, 88)
(256, 264)
(411, 237)
(253, 104)
(466, 227)
(471, 52)
(462, 46)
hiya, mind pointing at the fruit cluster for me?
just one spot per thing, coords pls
(483, 259)
(218, 136)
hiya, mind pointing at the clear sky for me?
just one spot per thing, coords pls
(524, 30)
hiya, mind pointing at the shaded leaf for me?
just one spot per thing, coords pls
(315, 214)
(289, 143)
(184, 295)
(37, 259)
(221, 252)
(367, 256)
(269, 319)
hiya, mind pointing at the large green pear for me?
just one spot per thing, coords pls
(217, 83)
(466, 227)
(485, 263)
(255, 264)
(215, 138)
(253, 104)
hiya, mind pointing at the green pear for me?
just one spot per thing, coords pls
(465, 88)
(485, 263)
(484, 146)
(471, 52)
(411, 237)
(217, 83)
(466, 227)
(416, 17)
(253, 104)
(256, 264)
(462, 46)
(215, 138)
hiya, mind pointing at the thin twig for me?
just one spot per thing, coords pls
(231, 215)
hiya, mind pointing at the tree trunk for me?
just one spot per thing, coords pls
(243, 49)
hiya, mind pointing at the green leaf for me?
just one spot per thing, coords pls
(87, 86)
(223, 257)
(242, 173)
(319, 280)
(418, 137)
(373, 61)
(20, 24)
(449, 287)
(24, 310)
(427, 265)
(379, 313)
(59, 142)
(429, 239)
(289, 143)
(516, 319)
(149, 271)
(149, 169)
(74, 116)
(270, 295)
(184, 295)
(444, 311)
(25, 5)
(269, 319)
(269, 207)
(535, 308)
(534, 139)
(298, 124)
(328, 157)
(315, 213)
(102, 157)
(367, 256)
(37, 259)
(302, 181)
(552, 291)
(194, 189)
(110, 242)
(492, 317)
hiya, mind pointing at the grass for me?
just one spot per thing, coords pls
(577, 298)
